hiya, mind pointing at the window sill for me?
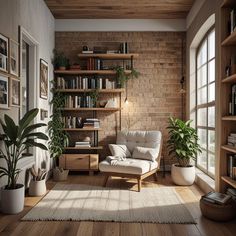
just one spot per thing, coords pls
(205, 182)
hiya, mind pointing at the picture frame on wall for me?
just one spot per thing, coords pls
(15, 89)
(14, 57)
(4, 50)
(4, 103)
(43, 79)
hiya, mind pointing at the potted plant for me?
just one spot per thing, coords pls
(16, 141)
(94, 97)
(183, 144)
(60, 61)
(37, 185)
(122, 77)
(58, 137)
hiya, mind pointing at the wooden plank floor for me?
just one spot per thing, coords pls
(11, 225)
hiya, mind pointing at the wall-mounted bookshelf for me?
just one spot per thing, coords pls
(90, 90)
(88, 72)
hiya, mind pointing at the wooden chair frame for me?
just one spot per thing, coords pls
(138, 177)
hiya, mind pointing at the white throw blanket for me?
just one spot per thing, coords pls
(113, 160)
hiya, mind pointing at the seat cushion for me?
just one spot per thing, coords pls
(129, 166)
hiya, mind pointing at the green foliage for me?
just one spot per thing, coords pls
(58, 137)
(182, 141)
(59, 60)
(94, 96)
(16, 140)
(122, 77)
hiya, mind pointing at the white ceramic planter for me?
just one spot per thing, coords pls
(37, 188)
(183, 175)
(60, 176)
(12, 200)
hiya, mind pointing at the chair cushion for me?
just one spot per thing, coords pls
(132, 139)
(145, 153)
(119, 150)
(129, 166)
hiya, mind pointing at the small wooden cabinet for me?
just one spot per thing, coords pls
(79, 162)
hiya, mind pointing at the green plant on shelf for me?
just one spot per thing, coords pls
(60, 61)
(59, 139)
(122, 77)
(94, 96)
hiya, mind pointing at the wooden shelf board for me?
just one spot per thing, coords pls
(230, 40)
(91, 109)
(88, 72)
(84, 148)
(229, 148)
(82, 129)
(117, 56)
(229, 79)
(230, 118)
(228, 3)
(90, 90)
(229, 181)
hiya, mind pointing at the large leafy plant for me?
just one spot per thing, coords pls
(182, 141)
(16, 141)
(58, 137)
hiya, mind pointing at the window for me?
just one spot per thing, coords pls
(205, 102)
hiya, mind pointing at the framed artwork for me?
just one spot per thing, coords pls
(43, 79)
(15, 92)
(3, 92)
(14, 58)
(4, 45)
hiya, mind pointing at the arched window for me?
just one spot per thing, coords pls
(205, 102)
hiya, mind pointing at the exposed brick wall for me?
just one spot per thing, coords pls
(154, 96)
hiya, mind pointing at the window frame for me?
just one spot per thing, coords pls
(206, 105)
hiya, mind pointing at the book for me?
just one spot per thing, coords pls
(218, 198)
(87, 52)
(231, 165)
(233, 99)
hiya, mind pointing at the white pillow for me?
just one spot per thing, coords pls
(119, 150)
(145, 153)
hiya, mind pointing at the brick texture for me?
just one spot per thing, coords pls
(154, 96)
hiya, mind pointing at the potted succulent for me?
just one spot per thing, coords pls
(183, 144)
(60, 61)
(37, 185)
(16, 141)
(122, 77)
(58, 137)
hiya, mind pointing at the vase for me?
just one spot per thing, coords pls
(37, 188)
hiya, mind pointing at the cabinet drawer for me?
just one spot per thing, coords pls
(94, 161)
(77, 162)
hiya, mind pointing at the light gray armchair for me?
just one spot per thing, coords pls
(145, 148)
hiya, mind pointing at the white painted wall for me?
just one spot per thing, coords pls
(124, 25)
(35, 17)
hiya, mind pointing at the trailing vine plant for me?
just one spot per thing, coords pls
(59, 139)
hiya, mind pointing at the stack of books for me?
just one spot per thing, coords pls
(94, 64)
(217, 198)
(83, 144)
(232, 139)
(92, 123)
(231, 192)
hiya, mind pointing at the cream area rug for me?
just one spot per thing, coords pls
(78, 202)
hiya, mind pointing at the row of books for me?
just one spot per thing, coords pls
(85, 83)
(232, 105)
(217, 198)
(232, 22)
(75, 101)
(73, 122)
(94, 64)
(232, 166)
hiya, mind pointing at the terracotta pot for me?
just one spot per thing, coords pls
(37, 188)
(62, 68)
(12, 200)
(183, 175)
